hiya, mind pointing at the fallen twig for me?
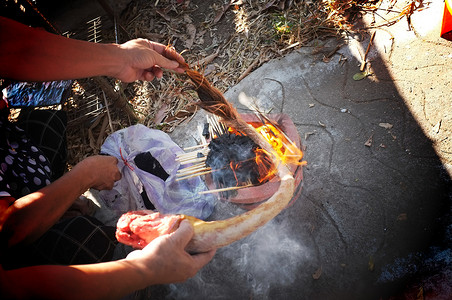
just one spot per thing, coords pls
(364, 62)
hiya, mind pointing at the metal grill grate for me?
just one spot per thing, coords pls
(89, 104)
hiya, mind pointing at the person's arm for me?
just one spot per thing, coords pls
(32, 215)
(163, 261)
(31, 54)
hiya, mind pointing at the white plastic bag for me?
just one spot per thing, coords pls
(168, 196)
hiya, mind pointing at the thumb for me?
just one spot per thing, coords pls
(184, 233)
(164, 62)
(202, 259)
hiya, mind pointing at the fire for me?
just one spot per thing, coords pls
(260, 163)
(286, 150)
(267, 170)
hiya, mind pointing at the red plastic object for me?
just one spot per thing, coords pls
(446, 28)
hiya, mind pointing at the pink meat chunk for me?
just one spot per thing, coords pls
(139, 228)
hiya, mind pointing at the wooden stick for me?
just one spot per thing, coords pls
(189, 157)
(188, 172)
(214, 124)
(202, 165)
(194, 175)
(197, 166)
(223, 128)
(186, 162)
(225, 189)
(363, 63)
(194, 159)
(194, 153)
(215, 121)
(196, 147)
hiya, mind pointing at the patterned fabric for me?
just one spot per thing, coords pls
(25, 147)
(23, 167)
(47, 129)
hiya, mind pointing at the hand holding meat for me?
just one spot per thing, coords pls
(165, 260)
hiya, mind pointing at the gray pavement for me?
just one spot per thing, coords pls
(373, 221)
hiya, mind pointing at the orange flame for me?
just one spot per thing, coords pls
(286, 150)
(267, 170)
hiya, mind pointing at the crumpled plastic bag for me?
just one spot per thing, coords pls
(167, 196)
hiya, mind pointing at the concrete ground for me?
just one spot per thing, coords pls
(373, 220)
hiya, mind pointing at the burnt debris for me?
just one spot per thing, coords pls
(233, 159)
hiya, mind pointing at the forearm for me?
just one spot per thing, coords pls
(110, 280)
(31, 54)
(32, 215)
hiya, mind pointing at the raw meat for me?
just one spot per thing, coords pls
(139, 228)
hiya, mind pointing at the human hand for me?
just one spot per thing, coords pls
(101, 171)
(165, 260)
(144, 60)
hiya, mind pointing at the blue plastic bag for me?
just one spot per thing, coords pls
(35, 94)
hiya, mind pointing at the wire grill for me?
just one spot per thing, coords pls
(89, 103)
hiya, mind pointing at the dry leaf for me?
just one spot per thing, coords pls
(420, 294)
(199, 40)
(402, 217)
(265, 7)
(101, 137)
(209, 69)
(369, 141)
(311, 105)
(360, 76)
(163, 14)
(161, 113)
(370, 264)
(307, 134)
(437, 127)
(92, 143)
(191, 30)
(208, 59)
(317, 273)
(222, 12)
(385, 125)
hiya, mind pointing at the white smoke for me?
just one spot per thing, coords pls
(249, 269)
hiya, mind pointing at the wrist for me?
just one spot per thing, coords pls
(145, 270)
(116, 60)
(83, 174)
